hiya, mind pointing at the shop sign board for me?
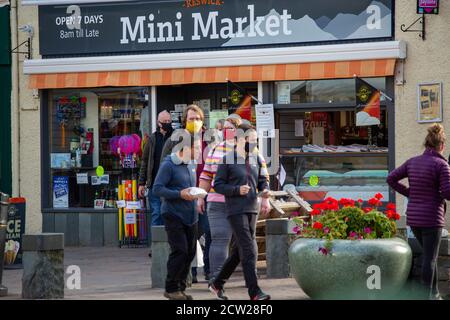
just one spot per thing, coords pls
(167, 25)
(15, 228)
(428, 6)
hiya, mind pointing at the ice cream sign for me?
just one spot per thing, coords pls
(15, 228)
(208, 24)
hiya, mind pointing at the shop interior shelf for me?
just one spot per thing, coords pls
(334, 154)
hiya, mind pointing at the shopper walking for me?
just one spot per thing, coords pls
(173, 182)
(215, 202)
(192, 122)
(151, 158)
(239, 178)
(429, 186)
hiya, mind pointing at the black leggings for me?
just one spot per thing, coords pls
(244, 251)
(429, 239)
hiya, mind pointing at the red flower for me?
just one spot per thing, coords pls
(315, 212)
(396, 216)
(374, 202)
(317, 225)
(318, 206)
(83, 99)
(379, 196)
(360, 201)
(347, 202)
(391, 206)
(390, 214)
(368, 209)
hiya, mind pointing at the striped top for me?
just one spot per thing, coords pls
(429, 185)
(212, 162)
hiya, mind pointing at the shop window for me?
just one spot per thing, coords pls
(325, 154)
(321, 91)
(86, 128)
(212, 98)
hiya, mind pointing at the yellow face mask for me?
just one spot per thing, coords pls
(194, 126)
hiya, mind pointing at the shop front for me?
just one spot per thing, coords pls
(108, 70)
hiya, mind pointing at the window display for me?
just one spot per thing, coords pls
(96, 140)
(321, 91)
(325, 154)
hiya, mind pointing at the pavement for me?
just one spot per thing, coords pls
(109, 273)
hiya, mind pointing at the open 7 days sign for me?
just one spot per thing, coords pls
(201, 24)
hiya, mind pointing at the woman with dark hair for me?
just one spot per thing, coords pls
(240, 176)
(429, 186)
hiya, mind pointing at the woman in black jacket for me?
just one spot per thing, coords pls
(241, 175)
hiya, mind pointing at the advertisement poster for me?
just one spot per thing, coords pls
(60, 192)
(429, 102)
(265, 121)
(215, 116)
(15, 228)
(284, 92)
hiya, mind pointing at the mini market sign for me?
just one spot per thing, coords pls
(149, 26)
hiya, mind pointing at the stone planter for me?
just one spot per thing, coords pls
(351, 272)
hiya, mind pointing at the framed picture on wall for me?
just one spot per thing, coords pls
(429, 107)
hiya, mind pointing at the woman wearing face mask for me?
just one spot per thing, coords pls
(215, 208)
(239, 178)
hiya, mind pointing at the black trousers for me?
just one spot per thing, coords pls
(245, 251)
(183, 244)
(429, 239)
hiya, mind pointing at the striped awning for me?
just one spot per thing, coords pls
(274, 72)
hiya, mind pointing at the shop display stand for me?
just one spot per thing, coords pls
(132, 222)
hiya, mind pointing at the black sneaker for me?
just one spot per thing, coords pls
(260, 296)
(207, 277)
(218, 293)
(194, 279)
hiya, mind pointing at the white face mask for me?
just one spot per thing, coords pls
(220, 134)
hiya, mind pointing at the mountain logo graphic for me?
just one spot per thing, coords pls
(364, 93)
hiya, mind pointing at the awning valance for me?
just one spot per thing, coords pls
(271, 72)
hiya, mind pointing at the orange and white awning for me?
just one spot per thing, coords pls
(250, 65)
(273, 72)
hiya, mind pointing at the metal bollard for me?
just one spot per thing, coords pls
(4, 205)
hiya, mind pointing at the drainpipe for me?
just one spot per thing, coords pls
(15, 112)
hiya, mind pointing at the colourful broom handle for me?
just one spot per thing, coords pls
(134, 190)
(119, 197)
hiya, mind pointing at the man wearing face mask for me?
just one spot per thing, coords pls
(151, 159)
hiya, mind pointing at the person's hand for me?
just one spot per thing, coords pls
(201, 205)
(185, 195)
(141, 191)
(265, 207)
(265, 194)
(244, 190)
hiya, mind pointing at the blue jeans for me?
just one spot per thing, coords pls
(203, 224)
(155, 209)
(203, 228)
